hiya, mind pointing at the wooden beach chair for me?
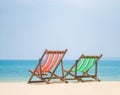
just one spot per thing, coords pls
(47, 66)
(81, 69)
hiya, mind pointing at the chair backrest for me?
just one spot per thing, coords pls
(51, 59)
(85, 63)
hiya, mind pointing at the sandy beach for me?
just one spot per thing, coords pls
(88, 88)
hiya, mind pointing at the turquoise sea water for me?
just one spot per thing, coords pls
(17, 70)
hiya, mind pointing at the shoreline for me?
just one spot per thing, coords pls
(86, 88)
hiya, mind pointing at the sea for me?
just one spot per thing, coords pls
(18, 70)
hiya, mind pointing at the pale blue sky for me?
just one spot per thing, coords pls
(28, 27)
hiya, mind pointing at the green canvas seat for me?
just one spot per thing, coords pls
(80, 70)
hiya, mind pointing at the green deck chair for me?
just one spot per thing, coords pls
(81, 69)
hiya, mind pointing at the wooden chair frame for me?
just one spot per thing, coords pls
(85, 74)
(52, 75)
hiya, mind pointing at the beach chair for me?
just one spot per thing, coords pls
(80, 71)
(47, 66)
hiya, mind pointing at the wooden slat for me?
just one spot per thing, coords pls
(91, 56)
(54, 51)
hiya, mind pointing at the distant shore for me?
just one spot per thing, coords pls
(87, 88)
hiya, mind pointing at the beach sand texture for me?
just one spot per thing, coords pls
(87, 88)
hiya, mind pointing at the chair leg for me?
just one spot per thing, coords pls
(42, 79)
(46, 81)
(97, 79)
(79, 79)
(68, 73)
(30, 78)
(61, 78)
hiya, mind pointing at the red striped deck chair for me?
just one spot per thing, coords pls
(81, 69)
(47, 66)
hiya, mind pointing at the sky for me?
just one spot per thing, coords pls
(90, 27)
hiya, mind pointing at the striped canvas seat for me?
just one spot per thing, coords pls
(49, 61)
(85, 64)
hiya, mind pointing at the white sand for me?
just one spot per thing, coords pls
(88, 88)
